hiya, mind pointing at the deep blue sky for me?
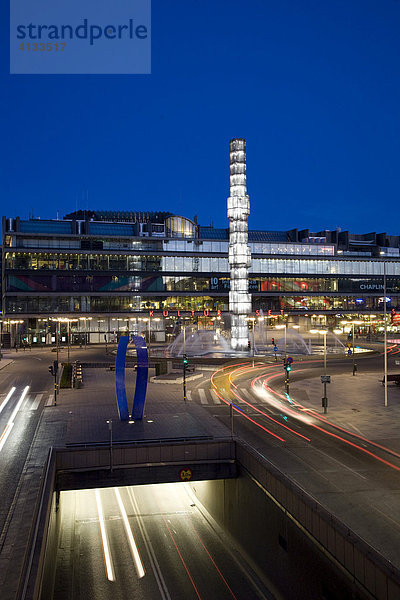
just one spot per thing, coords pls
(314, 87)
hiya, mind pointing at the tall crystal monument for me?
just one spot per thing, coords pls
(239, 251)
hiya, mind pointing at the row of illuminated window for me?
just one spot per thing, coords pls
(118, 262)
(93, 304)
(318, 303)
(111, 283)
(173, 245)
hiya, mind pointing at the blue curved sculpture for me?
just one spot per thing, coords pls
(141, 377)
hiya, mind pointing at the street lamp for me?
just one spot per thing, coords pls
(385, 334)
(352, 324)
(325, 378)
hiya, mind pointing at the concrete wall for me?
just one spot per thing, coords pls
(292, 541)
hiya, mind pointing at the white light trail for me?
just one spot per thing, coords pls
(10, 424)
(135, 552)
(106, 550)
(267, 397)
(6, 399)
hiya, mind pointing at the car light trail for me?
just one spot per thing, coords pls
(104, 540)
(247, 417)
(10, 424)
(135, 552)
(300, 407)
(182, 559)
(6, 399)
(212, 560)
(270, 418)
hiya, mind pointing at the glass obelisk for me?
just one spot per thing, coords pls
(239, 251)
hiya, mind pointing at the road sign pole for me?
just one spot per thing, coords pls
(325, 400)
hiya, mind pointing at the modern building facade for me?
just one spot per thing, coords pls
(101, 273)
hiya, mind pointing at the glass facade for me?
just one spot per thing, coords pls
(99, 277)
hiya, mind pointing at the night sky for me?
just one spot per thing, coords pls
(313, 86)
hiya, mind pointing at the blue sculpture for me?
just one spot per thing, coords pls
(141, 377)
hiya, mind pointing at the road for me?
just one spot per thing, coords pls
(356, 478)
(19, 416)
(146, 542)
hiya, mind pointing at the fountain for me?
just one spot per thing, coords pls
(295, 343)
(199, 343)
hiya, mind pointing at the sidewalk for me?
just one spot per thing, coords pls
(4, 362)
(355, 403)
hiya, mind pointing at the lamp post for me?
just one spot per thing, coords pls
(385, 335)
(325, 398)
(353, 354)
(184, 363)
(68, 330)
(325, 378)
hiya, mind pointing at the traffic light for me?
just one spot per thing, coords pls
(249, 345)
(185, 360)
(55, 367)
(51, 370)
(288, 367)
(273, 341)
(250, 325)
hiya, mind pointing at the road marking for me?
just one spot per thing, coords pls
(215, 397)
(189, 395)
(10, 424)
(132, 542)
(10, 393)
(104, 539)
(25, 403)
(36, 402)
(202, 395)
(50, 400)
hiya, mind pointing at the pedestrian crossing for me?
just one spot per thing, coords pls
(208, 397)
(31, 401)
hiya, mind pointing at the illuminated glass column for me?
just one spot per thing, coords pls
(239, 251)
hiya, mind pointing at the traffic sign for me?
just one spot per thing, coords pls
(275, 348)
(349, 352)
(349, 344)
(325, 378)
(185, 474)
(289, 359)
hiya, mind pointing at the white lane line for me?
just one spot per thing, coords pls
(134, 549)
(6, 399)
(50, 401)
(162, 586)
(189, 395)
(36, 402)
(104, 540)
(215, 397)
(203, 398)
(10, 424)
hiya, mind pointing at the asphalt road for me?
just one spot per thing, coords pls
(145, 542)
(353, 477)
(29, 369)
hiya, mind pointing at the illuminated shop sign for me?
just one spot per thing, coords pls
(205, 313)
(367, 285)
